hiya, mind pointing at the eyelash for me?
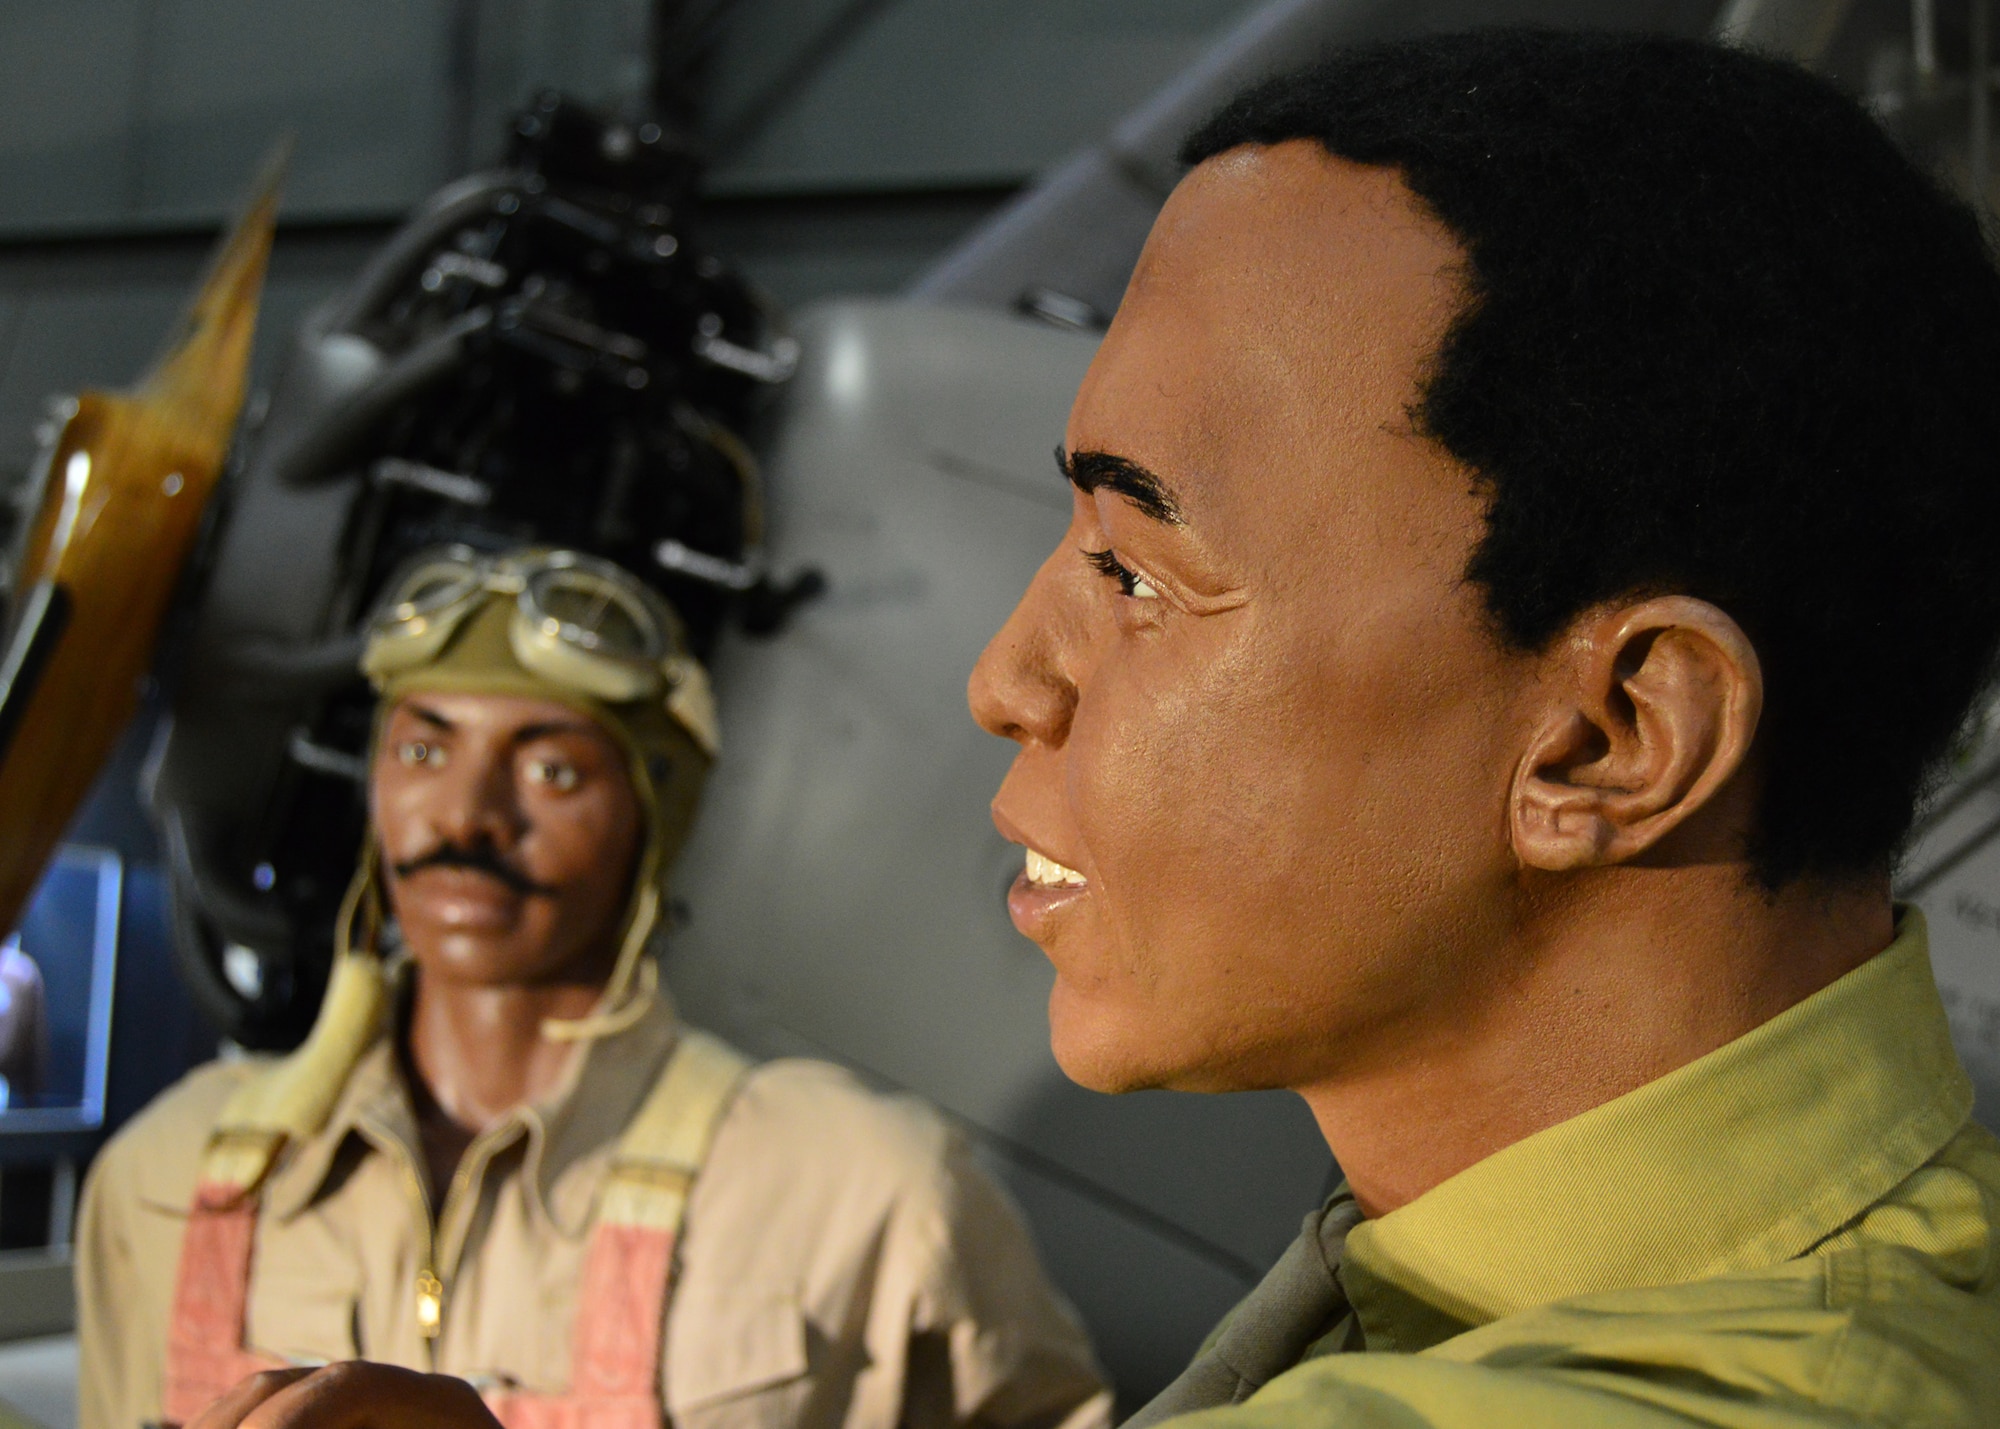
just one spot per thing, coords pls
(1107, 564)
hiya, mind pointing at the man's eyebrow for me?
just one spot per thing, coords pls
(428, 716)
(529, 733)
(1087, 471)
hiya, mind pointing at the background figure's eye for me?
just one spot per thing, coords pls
(555, 773)
(1129, 581)
(414, 752)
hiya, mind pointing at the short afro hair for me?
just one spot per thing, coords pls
(1722, 339)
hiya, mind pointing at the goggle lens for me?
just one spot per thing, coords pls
(592, 613)
(430, 590)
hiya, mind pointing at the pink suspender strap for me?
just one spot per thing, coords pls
(273, 1107)
(621, 1306)
(205, 1354)
(615, 1362)
(621, 1315)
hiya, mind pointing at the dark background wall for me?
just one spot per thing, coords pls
(854, 140)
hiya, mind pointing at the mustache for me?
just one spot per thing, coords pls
(480, 857)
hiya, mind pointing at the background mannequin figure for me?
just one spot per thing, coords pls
(500, 1156)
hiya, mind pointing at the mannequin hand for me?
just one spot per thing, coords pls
(352, 1395)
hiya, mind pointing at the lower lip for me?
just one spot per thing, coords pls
(1033, 906)
(461, 897)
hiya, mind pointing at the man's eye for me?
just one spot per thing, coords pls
(1129, 581)
(414, 752)
(554, 773)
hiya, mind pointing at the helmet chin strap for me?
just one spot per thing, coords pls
(634, 984)
(363, 900)
(293, 1102)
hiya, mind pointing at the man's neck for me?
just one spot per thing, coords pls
(1623, 976)
(476, 1051)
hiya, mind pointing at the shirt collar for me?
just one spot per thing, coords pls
(600, 1095)
(588, 1108)
(1740, 1160)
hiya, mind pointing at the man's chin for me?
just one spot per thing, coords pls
(1108, 1048)
(1100, 1050)
(474, 957)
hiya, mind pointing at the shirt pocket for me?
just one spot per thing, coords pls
(727, 1353)
(302, 1312)
(303, 1316)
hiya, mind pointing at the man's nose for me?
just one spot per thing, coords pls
(1020, 690)
(480, 804)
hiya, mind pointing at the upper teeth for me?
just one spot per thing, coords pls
(1048, 872)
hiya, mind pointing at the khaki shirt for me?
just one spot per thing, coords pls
(843, 1261)
(1800, 1229)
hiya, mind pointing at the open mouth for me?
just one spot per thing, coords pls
(1044, 872)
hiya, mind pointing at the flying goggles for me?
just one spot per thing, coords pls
(581, 623)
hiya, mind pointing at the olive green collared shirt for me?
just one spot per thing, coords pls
(1797, 1229)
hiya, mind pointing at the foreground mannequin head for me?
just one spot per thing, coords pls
(1521, 567)
(1175, 722)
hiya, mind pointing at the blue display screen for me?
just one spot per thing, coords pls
(55, 996)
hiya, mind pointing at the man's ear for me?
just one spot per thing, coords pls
(1654, 707)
